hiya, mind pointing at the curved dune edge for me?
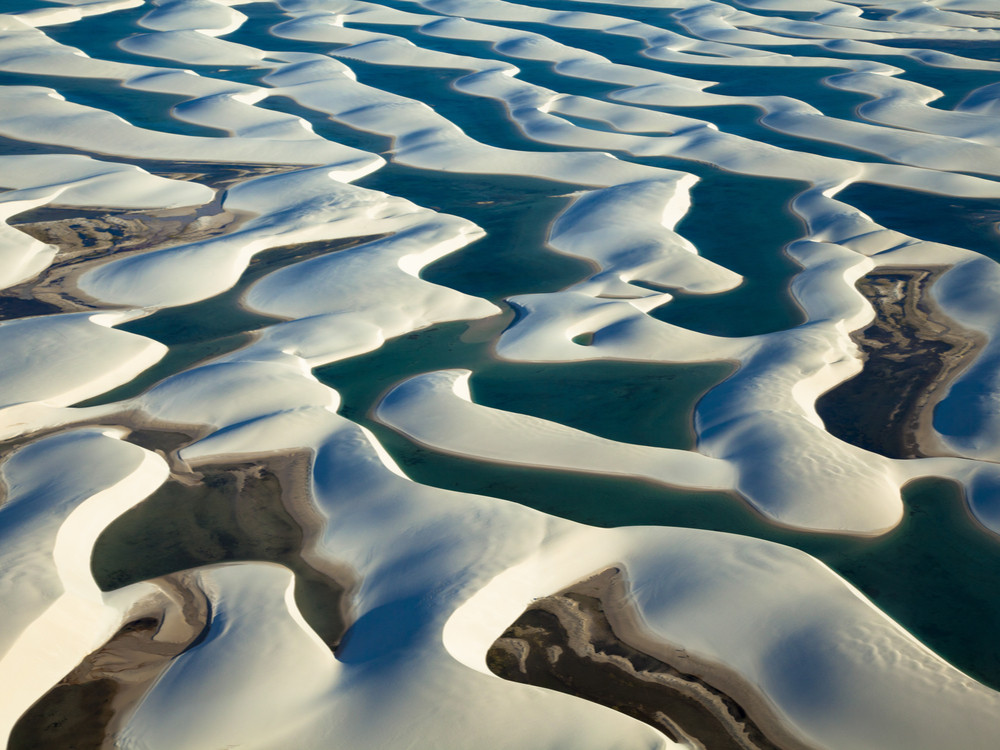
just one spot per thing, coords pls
(910, 332)
(427, 559)
(794, 665)
(50, 530)
(587, 640)
(437, 410)
(89, 704)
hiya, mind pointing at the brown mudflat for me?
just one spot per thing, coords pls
(89, 237)
(912, 351)
(567, 642)
(80, 713)
(243, 511)
(226, 513)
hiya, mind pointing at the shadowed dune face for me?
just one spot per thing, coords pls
(337, 336)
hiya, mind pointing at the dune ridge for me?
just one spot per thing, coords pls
(254, 184)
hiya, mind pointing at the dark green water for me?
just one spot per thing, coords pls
(938, 573)
(327, 128)
(511, 259)
(516, 213)
(98, 36)
(256, 30)
(977, 50)
(739, 80)
(758, 225)
(481, 118)
(953, 83)
(145, 109)
(757, 228)
(19, 6)
(964, 222)
(638, 402)
(742, 120)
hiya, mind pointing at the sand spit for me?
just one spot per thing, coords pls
(86, 237)
(912, 352)
(567, 642)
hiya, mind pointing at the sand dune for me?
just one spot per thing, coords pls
(296, 231)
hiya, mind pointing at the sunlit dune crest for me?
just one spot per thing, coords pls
(472, 373)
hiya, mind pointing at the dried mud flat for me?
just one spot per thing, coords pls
(584, 641)
(912, 351)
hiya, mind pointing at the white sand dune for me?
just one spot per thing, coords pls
(437, 410)
(38, 180)
(354, 139)
(62, 359)
(50, 521)
(302, 206)
(430, 596)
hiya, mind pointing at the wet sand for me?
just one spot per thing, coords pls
(912, 352)
(88, 238)
(588, 641)
(246, 510)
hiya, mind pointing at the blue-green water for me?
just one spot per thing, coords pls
(977, 50)
(751, 241)
(644, 403)
(147, 109)
(482, 119)
(327, 128)
(742, 120)
(953, 83)
(964, 222)
(938, 573)
(516, 213)
(203, 330)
